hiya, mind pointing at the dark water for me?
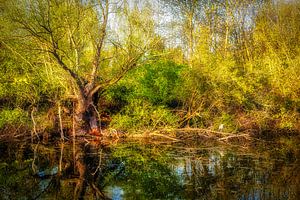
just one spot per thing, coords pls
(139, 170)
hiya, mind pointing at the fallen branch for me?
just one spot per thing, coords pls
(246, 135)
(202, 130)
(164, 136)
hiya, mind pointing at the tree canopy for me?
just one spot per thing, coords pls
(150, 64)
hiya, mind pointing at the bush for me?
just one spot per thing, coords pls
(12, 117)
(160, 82)
(141, 115)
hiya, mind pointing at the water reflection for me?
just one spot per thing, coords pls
(229, 175)
(130, 170)
(147, 173)
(51, 172)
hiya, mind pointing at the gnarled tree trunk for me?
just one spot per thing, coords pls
(86, 118)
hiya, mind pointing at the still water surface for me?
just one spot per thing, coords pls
(144, 170)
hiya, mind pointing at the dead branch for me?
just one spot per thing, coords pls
(164, 136)
(60, 123)
(202, 130)
(246, 135)
(34, 124)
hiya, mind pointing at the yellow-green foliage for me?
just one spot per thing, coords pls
(13, 117)
(265, 86)
(141, 115)
(238, 68)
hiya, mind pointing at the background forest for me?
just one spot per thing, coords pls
(147, 65)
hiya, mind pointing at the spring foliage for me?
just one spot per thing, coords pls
(224, 62)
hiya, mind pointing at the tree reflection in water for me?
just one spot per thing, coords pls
(147, 174)
(86, 159)
(148, 171)
(219, 174)
(50, 172)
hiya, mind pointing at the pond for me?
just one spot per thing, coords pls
(149, 170)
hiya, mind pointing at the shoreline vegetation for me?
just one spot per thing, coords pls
(110, 137)
(224, 70)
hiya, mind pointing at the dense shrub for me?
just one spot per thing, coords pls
(13, 117)
(141, 115)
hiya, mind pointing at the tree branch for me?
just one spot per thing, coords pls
(126, 67)
(67, 69)
(99, 45)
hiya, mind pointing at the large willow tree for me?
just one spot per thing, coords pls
(91, 43)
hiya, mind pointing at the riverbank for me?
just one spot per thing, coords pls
(149, 167)
(184, 135)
